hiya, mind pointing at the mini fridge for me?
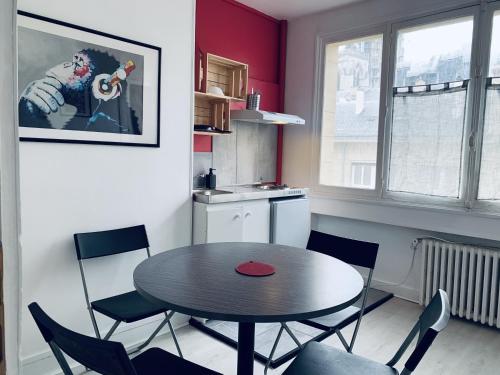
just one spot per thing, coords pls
(290, 221)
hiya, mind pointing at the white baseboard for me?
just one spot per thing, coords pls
(401, 291)
(132, 335)
(406, 292)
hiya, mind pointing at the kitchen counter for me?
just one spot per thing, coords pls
(244, 193)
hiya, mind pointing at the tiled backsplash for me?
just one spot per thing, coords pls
(202, 161)
(246, 156)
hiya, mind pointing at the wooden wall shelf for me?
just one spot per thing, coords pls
(212, 111)
(203, 95)
(210, 134)
(228, 75)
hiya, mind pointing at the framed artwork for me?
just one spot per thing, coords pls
(79, 85)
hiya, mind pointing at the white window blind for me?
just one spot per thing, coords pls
(429, 108)
(489, 178)
(427, 141)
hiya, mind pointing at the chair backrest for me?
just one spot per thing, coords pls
(358, 253)
(104, 357)
(110, 242)
(433, 320)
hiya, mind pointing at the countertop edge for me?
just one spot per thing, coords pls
(246, 196)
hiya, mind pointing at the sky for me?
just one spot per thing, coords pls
(420, 44)
(449, 38)
(442, 39)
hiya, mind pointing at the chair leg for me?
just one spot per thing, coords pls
(354, 335)
(156, 331)
(362, 311)
(94, 322)
(348, 346)
(342, 340)
(290, 333)
(174, 336)
(150, 338)
(112, 330)
(283, 327)
(275, 345)
(60, 359)
(87, 300)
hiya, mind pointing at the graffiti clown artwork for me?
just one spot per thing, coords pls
(79, 86)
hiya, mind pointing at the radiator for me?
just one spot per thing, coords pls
(469, 274)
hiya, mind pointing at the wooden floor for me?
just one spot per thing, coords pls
(462, 349)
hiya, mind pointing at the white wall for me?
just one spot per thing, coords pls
(395, 251)
(393, 226)
(76, 188)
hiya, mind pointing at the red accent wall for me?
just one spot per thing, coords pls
(282, 75)
(202, 143)
(229, 29)
(233, 30)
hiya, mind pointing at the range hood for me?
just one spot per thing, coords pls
(264, 117)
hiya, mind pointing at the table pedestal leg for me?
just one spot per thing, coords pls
(246, 343)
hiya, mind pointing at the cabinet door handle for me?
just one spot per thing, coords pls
(248, 214)
(237, 216)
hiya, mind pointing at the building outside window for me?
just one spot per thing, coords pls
(350, 110)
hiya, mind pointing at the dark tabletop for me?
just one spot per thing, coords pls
(201, 280)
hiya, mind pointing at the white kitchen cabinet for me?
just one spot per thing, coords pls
(245, 221)
(256, 221)
(224, 224)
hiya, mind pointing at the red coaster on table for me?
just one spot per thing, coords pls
(257, 269)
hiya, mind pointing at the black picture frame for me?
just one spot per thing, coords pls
(156, 142)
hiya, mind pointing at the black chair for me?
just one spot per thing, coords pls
(357, 253)
(108, 357)
(321, 359)
(127, 307)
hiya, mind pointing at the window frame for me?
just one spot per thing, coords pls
(322, 40)
(488, 206)
(482, 15)
(463, 193)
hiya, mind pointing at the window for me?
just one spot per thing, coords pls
(435, 91)
(429, 108)
(489, 180)
(363, 175)
(350, 116)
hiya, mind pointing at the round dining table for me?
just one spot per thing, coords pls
(202, 281)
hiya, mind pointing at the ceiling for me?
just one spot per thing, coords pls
(286, 9)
